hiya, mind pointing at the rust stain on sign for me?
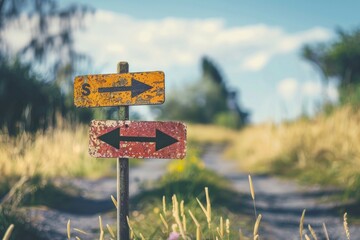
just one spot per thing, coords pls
(105, 90)
(130, 139)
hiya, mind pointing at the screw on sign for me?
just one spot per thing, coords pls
(132, 139)
(104, 90)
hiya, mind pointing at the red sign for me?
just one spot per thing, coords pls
(130, 139)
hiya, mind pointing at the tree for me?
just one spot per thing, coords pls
(51, 28)
(27, 104)
(207, 101)
(28, 101)
(340, 60)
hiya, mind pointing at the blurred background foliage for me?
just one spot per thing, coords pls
(36, 81)
(339, 61)
(207, 101)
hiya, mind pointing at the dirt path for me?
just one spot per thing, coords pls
(94, 201)
(281, 202)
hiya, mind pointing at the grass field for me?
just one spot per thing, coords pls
(184, 178)
(60, 152)
(177, 192)
(210, 134)
(63, 152)
(33, 161)
(300, 148)
(56, 152)
(178, 207)
(322, 150)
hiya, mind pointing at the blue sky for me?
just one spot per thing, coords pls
(256, 45)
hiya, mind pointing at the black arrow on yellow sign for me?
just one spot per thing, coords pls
(136, 88)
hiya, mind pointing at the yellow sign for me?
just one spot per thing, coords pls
(105, 90)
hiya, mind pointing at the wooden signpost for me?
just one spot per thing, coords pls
(125, 139)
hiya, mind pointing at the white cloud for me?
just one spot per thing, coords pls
(294, 41)
(332, 93)
(281, 43)
(287, 88)
(109, 37)
(315, 89)
(311, 88)
(256, 61)
(172, 42)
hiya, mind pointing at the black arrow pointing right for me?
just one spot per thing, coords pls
(136, 88)
(113, 138)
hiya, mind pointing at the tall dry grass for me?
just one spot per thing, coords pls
(328, 145)
(210, 134)
(195, 223)
(34, 159)
(56, 152)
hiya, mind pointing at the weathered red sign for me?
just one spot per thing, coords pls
(130, 139)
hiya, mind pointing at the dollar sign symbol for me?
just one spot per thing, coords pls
(85, 89)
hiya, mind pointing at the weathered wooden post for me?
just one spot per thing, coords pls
(122, 173)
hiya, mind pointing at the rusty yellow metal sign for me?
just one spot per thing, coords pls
(105, 90)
